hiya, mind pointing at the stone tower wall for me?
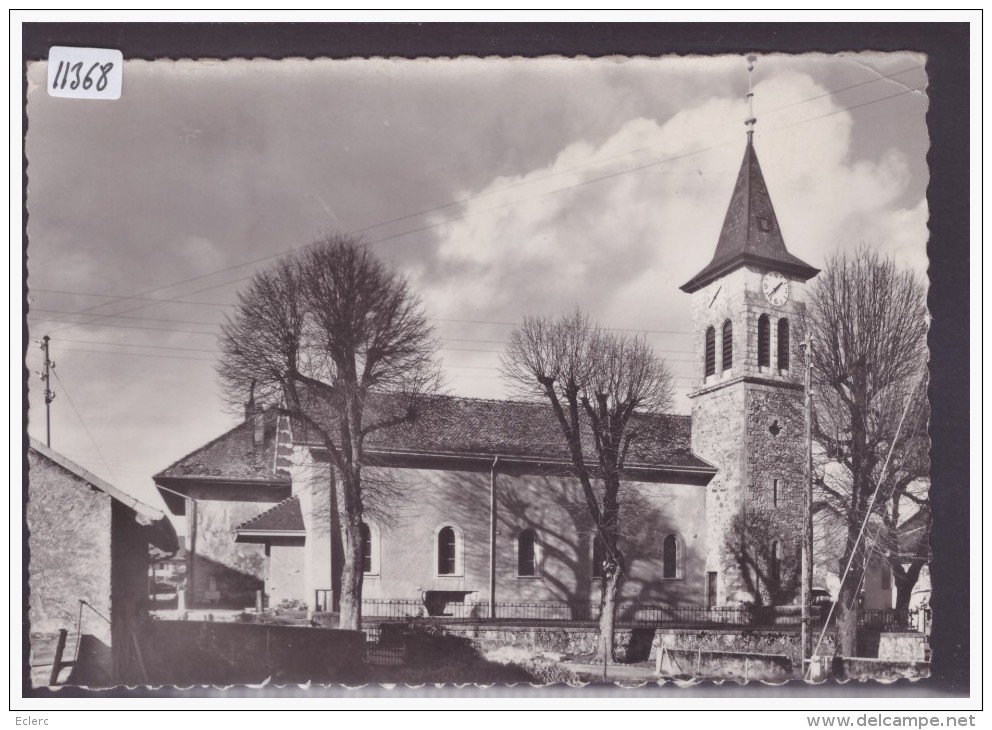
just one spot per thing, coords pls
(748, 421)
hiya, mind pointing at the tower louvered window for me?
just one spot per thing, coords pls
(764, 341)
(783, 344)
(710, 351)
(728, 345)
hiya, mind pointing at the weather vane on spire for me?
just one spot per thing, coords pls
(749, 122)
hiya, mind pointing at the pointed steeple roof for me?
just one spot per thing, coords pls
(751, 234)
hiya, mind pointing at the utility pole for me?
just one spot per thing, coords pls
(807, 545)
(49, 393)
(492, 538)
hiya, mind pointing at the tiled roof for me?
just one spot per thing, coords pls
(284, 517)
(750, 233)
(451, 426)
(470, 426)
(234, 456)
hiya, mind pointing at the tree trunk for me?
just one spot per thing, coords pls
(350, 607)
(848, 611)
(905, 581)
(607, 614)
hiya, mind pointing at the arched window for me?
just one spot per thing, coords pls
(764, 341)
(775, 564)
(671, 557)
(710, 360)
(783, 344)
(527, 553)
(597, 556)
(728, 345)
(366, 549)
(447, 551)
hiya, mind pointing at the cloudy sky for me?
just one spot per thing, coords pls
(501, 187)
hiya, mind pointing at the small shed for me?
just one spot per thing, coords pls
(88, 554)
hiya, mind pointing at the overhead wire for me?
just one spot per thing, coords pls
(868, 513)
(86, 428)
(453, 220)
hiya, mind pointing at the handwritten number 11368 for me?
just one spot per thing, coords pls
(76, 69)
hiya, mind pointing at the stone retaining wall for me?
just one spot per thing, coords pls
(632, 644)
(716, 665)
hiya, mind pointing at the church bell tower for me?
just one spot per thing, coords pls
(747, 417)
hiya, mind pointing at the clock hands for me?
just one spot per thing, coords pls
(719, 289)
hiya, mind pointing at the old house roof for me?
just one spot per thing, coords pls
(913, 541)
(161, 532)
(750, 232)
(234, 456)
(282, 518)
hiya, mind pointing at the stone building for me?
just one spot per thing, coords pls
(433, 543)
(258, 498)
(88, 544)
(747, 410)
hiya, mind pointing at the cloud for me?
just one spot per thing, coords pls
(616, 227)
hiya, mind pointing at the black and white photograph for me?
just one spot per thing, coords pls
(555, 373)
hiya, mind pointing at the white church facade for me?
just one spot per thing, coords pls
(481, 505)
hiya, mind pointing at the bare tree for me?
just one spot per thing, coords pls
(595, 381)
(345, 348)
(868, 323)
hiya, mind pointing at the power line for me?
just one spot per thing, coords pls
(122, 297)
(39, 319)
(155, 355)
(128, 344)
(847, 109)
(880, 77)
(139, 354)
(459, 218)
(124, 316)
(470, 198)
(125, 326)
(65, 391)
(437, 319)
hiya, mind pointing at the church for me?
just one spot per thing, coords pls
(482, 509)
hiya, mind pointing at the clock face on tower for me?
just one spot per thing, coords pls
(776, 288)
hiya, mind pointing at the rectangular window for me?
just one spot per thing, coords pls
(774, 492)
(711, 590)
(527, 554)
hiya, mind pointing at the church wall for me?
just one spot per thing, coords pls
(224, 573)
(285, 578)
(407, 559)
